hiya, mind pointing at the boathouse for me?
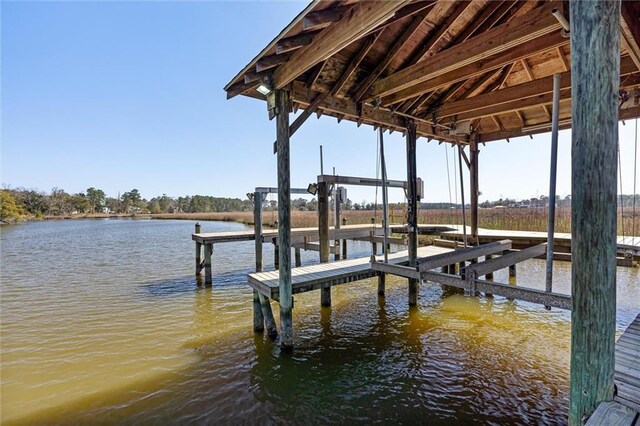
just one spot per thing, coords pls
(470, 73)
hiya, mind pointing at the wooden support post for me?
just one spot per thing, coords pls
(297, 256)
(344, 242)
(489, 276)
(323, 221)
(382, 277)
(323, 232)
(284, 217)
(276, 256)
(267, 313)
(412, 207)
(258, 319)
(473, 183)
(198, 252)
(336, 200)
(208, 251)
(257, 228)
(595, 51)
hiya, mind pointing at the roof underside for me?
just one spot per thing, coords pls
(457, 68)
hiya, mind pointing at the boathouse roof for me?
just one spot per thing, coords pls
(458, 68)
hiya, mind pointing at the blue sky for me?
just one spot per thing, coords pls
(122, 95)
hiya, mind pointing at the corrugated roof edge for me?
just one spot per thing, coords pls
(295, 20)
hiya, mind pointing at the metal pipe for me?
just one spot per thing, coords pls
(385, 201)
(321, 163)
(555, 119)
(561, 19)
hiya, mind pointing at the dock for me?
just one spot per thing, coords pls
(628, 247)
(307, 278)
(624, 410)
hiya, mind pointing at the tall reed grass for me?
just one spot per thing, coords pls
(517, 219)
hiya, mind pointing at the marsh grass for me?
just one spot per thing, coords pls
(517, 219)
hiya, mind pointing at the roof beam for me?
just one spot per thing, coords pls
(360, 19)
(435, 36)
(393, 51)
(267, 62)
(322, 18)
(295, 42)
(479, 67)
(313, 106)
(525, 95)
(630, 26)
(624, 114)
(516, 32)
(367, 114)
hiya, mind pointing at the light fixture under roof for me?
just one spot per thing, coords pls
(263, 89)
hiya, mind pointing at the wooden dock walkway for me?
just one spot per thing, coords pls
(523, 239)
(625, 409)
(313, 277)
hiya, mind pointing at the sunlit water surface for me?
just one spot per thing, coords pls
(103, 321)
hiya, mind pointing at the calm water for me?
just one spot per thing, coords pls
(102, 321)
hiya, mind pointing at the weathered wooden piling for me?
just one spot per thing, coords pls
(323, 233)
(276, 256)
(336, 200)
(344, 242)
(489, 276)
(282, 105)
(208, 252)
(595, 76)
(198, 251)
(412, 207)
(257, 227)
(267, 314)
(298, 259)
(258, 317)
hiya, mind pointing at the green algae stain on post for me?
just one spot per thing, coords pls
(595, 68)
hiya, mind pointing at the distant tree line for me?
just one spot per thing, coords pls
(18, 204)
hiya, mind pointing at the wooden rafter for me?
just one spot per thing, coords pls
(317, 101)
(531, 77)
(366, 114)
(630, 26)
(480, 67)
(294, 42)
(514, 33)
(565, 63)
(393, 51)
(322, 18)
(315, 73)
(360, 19)
(434, 37)
(525, 95)
(267, 62)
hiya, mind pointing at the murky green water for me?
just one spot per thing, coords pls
(102, 321)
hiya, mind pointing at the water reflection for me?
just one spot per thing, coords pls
(147, 342)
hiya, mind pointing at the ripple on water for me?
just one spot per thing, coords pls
(116, 329)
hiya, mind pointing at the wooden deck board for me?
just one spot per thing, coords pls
(627, 376)
(307, 278)
(534, 237)
(611, 413)
(624, 411)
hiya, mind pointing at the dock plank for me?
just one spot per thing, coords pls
(627, 370)
(312, 277)
(612, 413)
